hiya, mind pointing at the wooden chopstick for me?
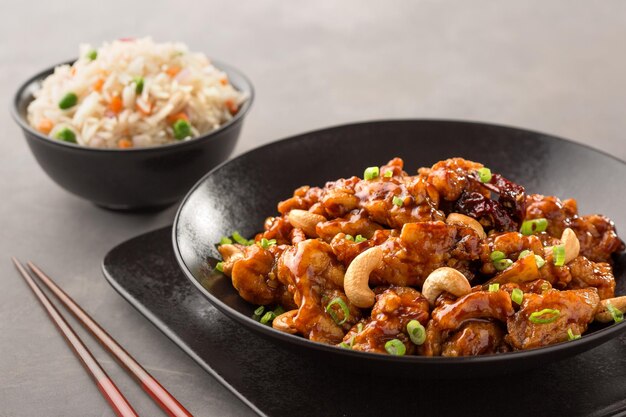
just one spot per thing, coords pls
(149, 384)
(109, 390)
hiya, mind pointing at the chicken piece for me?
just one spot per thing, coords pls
(566, 310)
(433, 344)
(310, 268)
(476, 338)
(558, 276)
(277, 228)
(395, 166)
(338, 197)
(596, 233)
(346, 249)
(303, 199)
(395, 307)
(597, 236)
(538, 286)
(419, 200)
(512, 243)
(475, 305)
(586, 273)
(354, 223)
(451, 178)
(423, 247)
(449, 317)
(557, 212)
(253, 276)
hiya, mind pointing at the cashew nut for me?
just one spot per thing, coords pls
(305, 220)
(445, 279)
(572, 245)
(230, 252)
(285, 323)
(356, 280)
(463, 220)
(604, 315)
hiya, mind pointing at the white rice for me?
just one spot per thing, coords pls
(176, 84)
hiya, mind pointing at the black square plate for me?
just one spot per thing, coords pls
(275, 381)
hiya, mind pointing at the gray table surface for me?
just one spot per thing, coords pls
(556, 66)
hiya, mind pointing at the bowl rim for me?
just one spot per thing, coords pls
(245, 87)
(592, 340)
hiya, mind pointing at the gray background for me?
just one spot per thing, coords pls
(556, 66)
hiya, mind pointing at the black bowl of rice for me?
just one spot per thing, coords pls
(133, 124)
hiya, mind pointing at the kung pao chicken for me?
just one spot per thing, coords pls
(453, 261)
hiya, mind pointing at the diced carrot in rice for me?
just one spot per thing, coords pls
(116, 104)
(97, 86)
(178, 116)
(172, 71)
(124, 144)
(45, 126)
(232, 107)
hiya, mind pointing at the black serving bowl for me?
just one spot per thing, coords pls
(241, 193)
(131, 179)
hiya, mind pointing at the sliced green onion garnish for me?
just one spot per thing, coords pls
(558, 252)
(617, 314)
(371, 173)
(545, 287)
(359, 239)
(533, 226)
(388, 174)
(497, 255)
(182, 129)
(502, 264)
(395, 347)
(540, 261)
(268, 317)
(571, 335)
(517, 296)
(219, 266)
(92, 55)
(398, 201)
(494, 287)
(242, 240)
(359, 327)
(547, 315)
(279, 310)
(484, 174)
(349, 344)
(138, 84)
(68, 101)
(225, 241)
(265, 243)
(66, 135)
(416, 331)
(524, 253)
(349, 237)
(346, 311)
(258, 313)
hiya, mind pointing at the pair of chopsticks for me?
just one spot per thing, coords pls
(107, 388)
